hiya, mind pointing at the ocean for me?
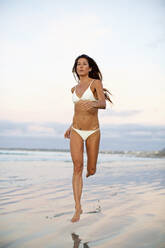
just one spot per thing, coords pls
(24, 154)
(123, 203)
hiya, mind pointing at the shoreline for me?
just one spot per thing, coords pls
(123, 205)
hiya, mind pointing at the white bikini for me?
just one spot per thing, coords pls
(87, 95)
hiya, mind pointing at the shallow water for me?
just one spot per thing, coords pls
(123, 205)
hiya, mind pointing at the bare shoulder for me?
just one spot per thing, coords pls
(98, 83)
(73, 88)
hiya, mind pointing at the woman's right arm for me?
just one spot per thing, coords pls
(67, 133)
(72, 90)
(70, 126)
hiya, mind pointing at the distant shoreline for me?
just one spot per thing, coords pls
(140, 153)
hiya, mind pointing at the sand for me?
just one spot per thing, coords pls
(123, 205)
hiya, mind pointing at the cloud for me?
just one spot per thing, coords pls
(55, 129)
(122, 113)
(11, 128)
(51, 135)
(157, 42)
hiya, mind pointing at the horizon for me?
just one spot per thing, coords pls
(51, 135)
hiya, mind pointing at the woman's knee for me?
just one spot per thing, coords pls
(92, 171)
(91, 168)
(78, 166)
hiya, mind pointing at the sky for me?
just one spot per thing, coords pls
(40, 40)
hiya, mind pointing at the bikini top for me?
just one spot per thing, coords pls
(87, 95)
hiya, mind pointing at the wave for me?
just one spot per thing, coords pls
(34, 149)
(30, 151)
(149, 154)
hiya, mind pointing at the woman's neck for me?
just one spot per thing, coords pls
(84, 79)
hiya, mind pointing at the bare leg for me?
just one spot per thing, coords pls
(77, 183)
(92, 148)
(77, 149)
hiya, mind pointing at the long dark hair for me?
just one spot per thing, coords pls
(94, 73)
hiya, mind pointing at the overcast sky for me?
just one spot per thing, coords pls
(40, 40)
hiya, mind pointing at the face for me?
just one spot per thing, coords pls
(83, 67)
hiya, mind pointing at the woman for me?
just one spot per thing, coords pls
(88, 96)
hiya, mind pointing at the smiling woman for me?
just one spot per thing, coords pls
(88, 96)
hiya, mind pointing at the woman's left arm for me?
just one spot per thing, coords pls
(100, 103)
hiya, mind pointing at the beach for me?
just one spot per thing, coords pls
(123, 203)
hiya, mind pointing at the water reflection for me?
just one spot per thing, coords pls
(77, 241)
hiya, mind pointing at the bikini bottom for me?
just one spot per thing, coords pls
(85, 133)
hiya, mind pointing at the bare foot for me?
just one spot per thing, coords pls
(76, 215)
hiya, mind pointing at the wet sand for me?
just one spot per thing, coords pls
(123, 205)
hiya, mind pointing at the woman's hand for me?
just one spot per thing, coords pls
(67, 133)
